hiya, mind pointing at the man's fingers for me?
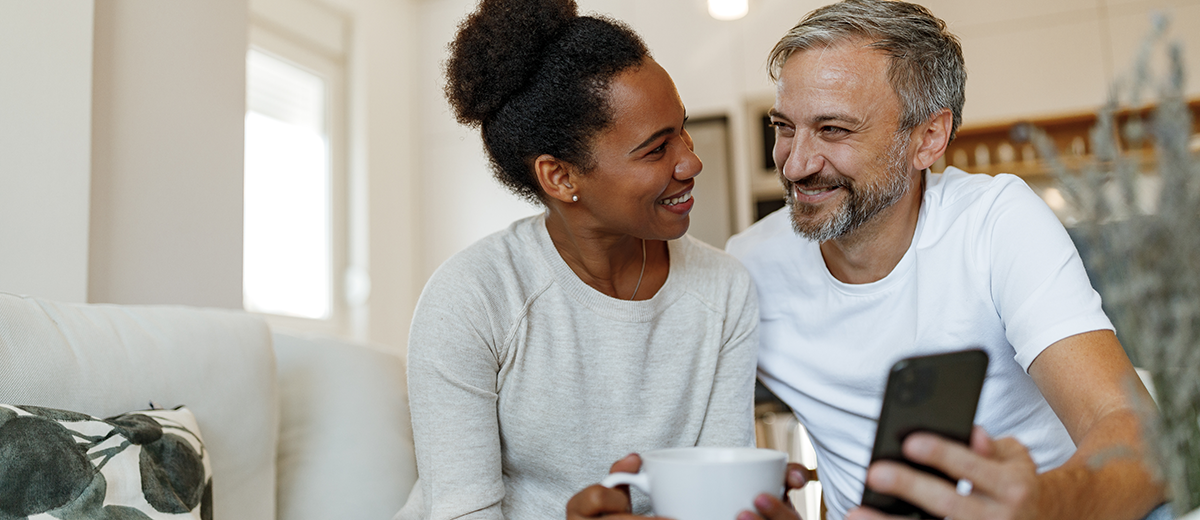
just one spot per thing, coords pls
(921, 489)
(981, 442)
(865, 513)
(1008, 448)
(950, 457)
(798, 476)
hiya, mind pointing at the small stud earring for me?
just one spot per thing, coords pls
(574, 198)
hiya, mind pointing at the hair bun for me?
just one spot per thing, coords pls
(496, 51)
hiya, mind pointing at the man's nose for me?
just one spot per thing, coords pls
(802, 160)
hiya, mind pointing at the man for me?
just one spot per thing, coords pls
(876, 259)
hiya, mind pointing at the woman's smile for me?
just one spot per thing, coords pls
(681, 204)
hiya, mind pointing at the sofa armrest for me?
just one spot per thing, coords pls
(345, 440)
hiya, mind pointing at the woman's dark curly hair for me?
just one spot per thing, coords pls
(534, 76)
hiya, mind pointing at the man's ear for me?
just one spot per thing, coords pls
(554, 176)
(932, 139)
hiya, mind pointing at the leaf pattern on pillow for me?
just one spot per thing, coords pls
(54, 461)
(41, 466)
(172, 475)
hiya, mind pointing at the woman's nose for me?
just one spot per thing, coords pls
(689, 164)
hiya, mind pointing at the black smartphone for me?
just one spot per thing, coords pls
(936, 394)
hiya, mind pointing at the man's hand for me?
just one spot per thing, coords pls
(613, 503)
(772, 508)
(1004, 478)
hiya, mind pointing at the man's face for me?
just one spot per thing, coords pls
(836, 146)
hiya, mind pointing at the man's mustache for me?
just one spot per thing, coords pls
(817, 181)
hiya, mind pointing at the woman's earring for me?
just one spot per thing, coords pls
(574, 198)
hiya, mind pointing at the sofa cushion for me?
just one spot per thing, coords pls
(147, 464)
(345, 445)
(104, 360)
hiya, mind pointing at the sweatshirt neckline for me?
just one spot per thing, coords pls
(607, 306)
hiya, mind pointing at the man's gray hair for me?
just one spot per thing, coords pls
(926, 68)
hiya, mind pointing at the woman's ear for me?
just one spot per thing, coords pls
(554, 176)
(932, 139)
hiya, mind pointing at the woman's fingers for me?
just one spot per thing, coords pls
(596, 501)
(770, 508)
(630, 464)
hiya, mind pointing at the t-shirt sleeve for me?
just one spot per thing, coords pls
(452, 374)
(730, 417)
(1038, 282)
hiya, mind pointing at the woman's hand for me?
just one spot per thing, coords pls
(597, 501)
(772, 508)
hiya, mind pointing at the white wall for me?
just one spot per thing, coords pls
(459, 201)
(1025, 58)
(1028, 58)
(45, 147)
(167, 135)
(384, 163)
(163, 132)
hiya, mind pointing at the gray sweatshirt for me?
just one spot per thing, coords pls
(526, 384)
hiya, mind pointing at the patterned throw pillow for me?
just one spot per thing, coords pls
(140, 465)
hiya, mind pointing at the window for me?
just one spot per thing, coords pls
(294, 210)
(287, 244)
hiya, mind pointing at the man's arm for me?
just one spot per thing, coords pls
(1091, 385)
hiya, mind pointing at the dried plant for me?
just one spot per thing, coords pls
(1146, 263)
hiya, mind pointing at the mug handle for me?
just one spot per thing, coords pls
(637, 480)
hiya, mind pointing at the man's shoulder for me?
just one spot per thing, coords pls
(955, 194)
(955, 187)
(762, 234)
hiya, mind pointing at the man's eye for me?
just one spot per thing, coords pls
(782, 129)
(832, 130)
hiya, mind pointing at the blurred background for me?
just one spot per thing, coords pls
(296, 158)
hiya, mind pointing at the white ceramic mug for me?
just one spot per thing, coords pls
(702, 483)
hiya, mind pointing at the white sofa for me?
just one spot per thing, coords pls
(298, 428)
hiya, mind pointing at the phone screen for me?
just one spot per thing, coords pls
(936, 394)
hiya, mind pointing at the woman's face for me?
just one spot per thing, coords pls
(644, 164)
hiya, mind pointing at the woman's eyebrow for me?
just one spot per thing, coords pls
(654, 137)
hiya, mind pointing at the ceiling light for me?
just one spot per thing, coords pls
(728, 9)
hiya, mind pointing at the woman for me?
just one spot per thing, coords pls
(542, 353)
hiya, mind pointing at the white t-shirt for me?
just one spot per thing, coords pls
(990, 266)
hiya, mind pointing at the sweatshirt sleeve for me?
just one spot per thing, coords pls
(730, 418)
(452, 374)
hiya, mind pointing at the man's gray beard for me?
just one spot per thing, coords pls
(862, 203)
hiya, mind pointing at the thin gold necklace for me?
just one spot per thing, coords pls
(639, 283)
